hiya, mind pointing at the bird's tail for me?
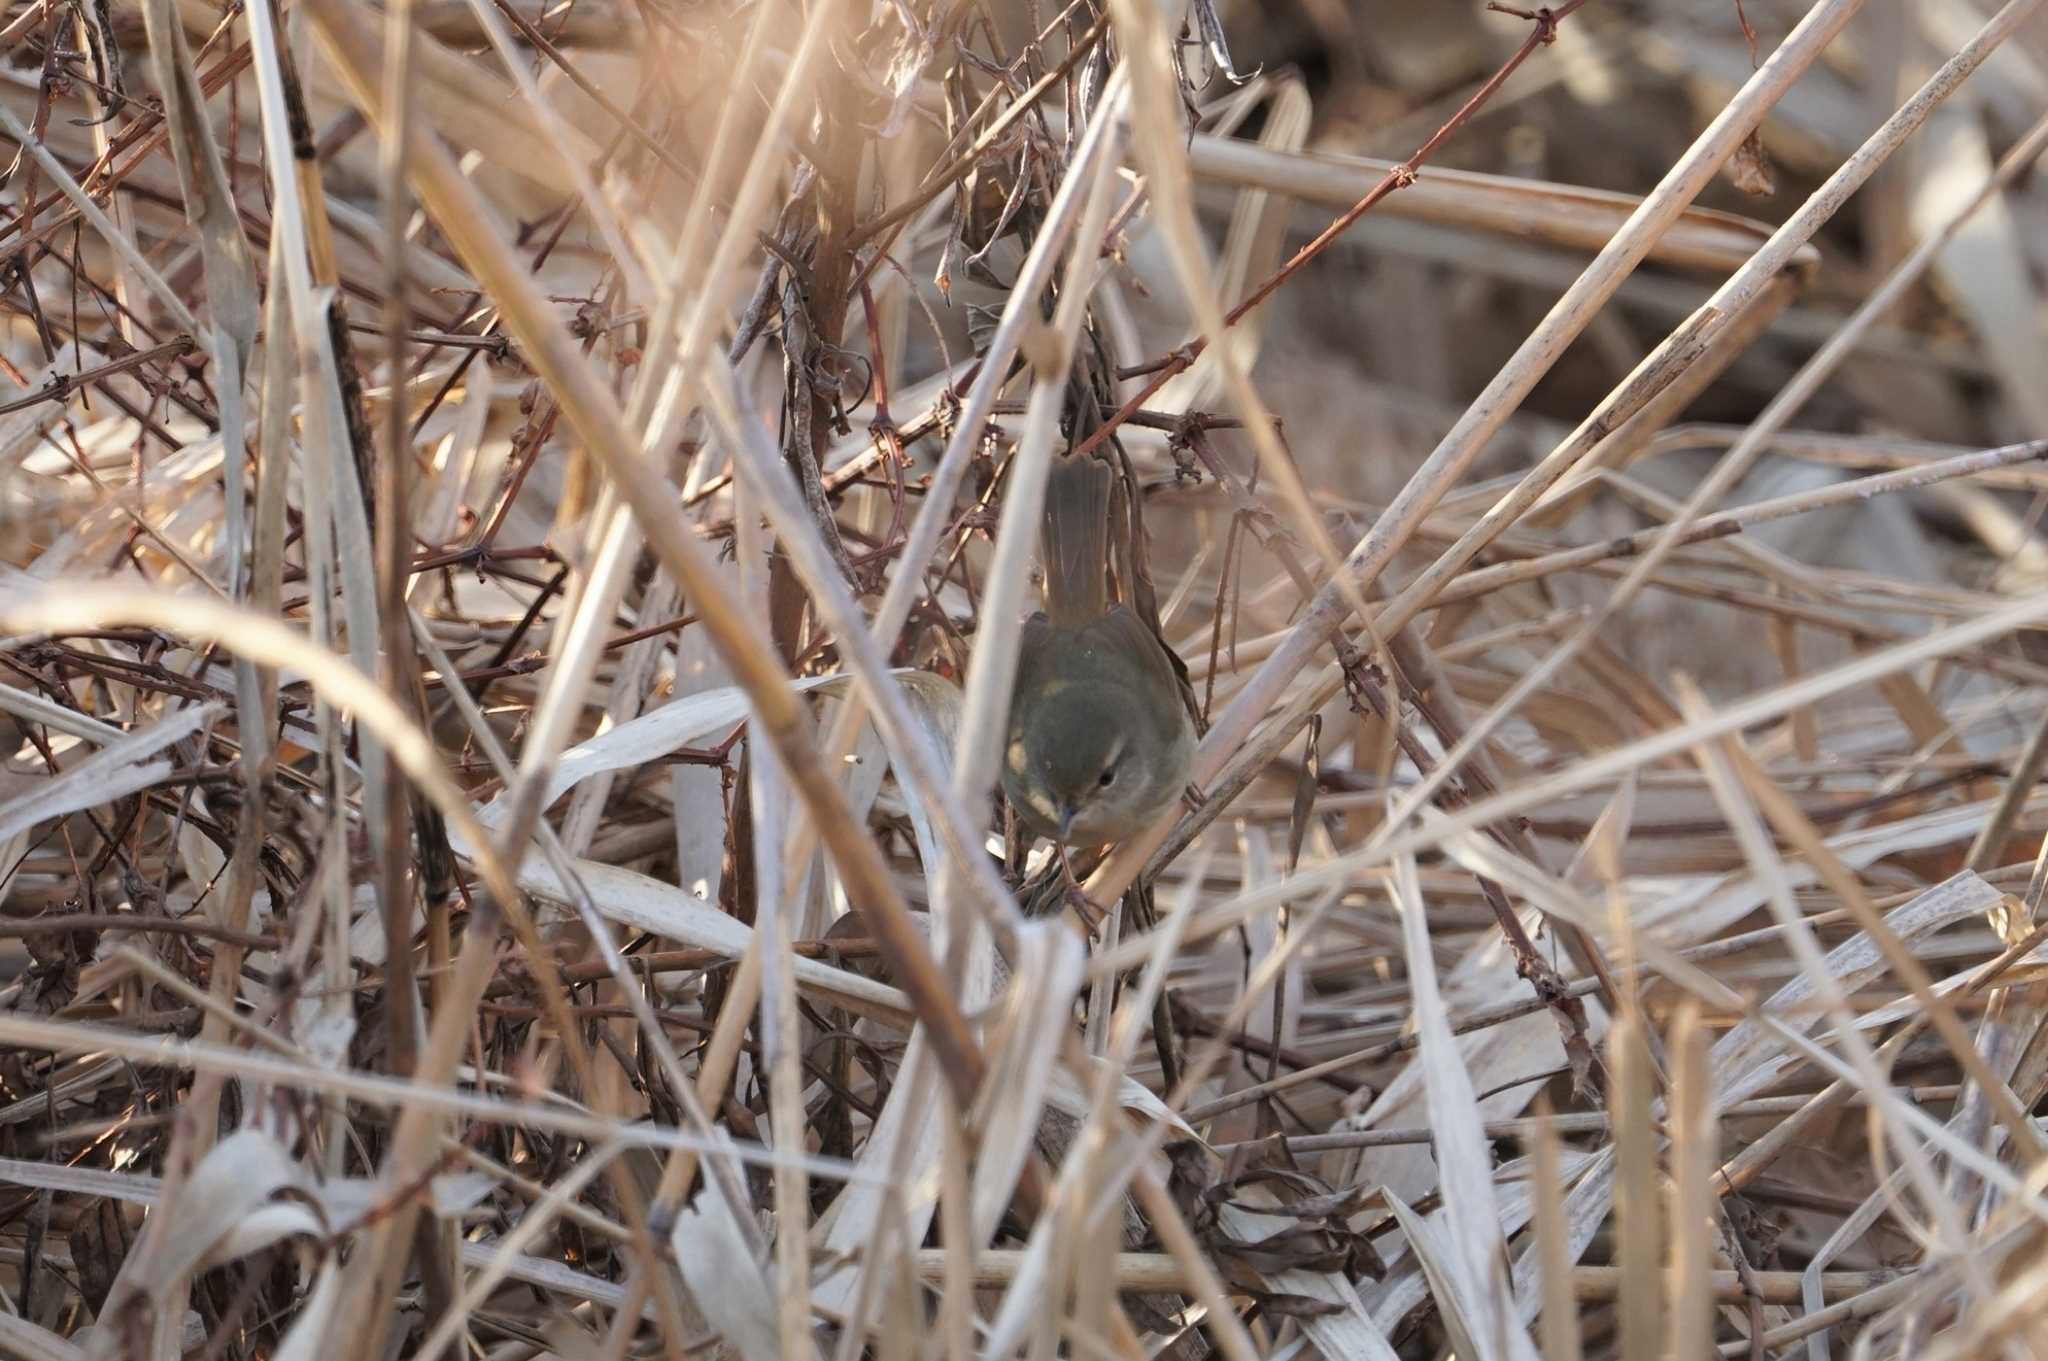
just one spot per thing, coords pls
(1074, 542)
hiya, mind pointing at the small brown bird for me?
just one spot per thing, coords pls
(1100, 742)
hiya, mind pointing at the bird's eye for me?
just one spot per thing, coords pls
(1108, 778)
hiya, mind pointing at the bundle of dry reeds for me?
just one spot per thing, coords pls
(517, 518)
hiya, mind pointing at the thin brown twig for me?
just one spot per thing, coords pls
(60, 387)
(1542, 33)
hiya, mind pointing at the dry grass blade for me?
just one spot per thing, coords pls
(119, 769)
(30, 1343)
(1560, 1321)
(1638, 1191)
(1559, 214)
(1471, 1216)
(1689, 1300)
(209, 205)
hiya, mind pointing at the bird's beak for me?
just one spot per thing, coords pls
(1066, 821)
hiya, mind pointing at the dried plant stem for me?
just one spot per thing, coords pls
(1483, 418)
(1727, 523)
(1818, 208)
(1161, 1272)
(1559, 214)
(167, 298)
(589, 408)
(155, 1051)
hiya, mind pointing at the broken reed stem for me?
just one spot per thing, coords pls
(1161, 1273)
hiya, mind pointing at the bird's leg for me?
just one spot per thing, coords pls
(1090, 915)
(1193, 796)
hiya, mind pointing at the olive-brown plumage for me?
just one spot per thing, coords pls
(1099, 743)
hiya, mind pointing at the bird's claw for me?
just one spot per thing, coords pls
(1071, 894)
(1091, 916)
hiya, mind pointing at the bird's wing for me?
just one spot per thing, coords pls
(1125, 635)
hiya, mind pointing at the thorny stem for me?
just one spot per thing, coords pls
(60, 387)
(1400, 177)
